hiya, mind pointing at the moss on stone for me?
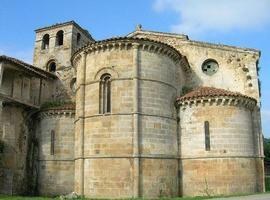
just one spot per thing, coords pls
(185, 90)
(52, 104)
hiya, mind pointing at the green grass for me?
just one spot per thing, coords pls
(52, 104)
(7, 197)
(4, 197)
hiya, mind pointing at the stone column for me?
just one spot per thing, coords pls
(80, 131)
(179, 174)
(258, 148)
(136, 145)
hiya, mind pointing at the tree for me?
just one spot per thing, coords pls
(266, 146)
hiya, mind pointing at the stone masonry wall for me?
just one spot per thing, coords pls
(219, 176)
(110, 167)
(56, 171)
(21, 86)
(232, 165)
(237, 66)
(13, 160)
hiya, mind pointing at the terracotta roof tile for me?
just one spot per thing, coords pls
(202, 92)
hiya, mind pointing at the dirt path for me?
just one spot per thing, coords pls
(251, 197)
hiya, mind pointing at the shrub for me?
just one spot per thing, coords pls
(267, 183)
(186, 90)
(52, 104)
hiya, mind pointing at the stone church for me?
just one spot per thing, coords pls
(150, 114)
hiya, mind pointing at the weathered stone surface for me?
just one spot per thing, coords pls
(15, 160)
(233, 163)
(110, 139)
(150, 143)
(237, 66)
(56, 169)
(216, 176)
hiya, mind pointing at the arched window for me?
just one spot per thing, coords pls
(51, 66)
(78, 38)
(59, 38)
(105, 94)
(45, 41)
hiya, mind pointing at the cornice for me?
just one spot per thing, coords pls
(239, 101)
(128, 43)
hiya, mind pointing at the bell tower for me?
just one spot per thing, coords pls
(54, 47)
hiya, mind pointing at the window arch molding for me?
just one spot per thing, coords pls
(106, 70)
(105, 93)
(51, 65)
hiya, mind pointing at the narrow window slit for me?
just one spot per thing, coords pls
(78, 38)
(207, 135)
(52, 141)
(108, 97)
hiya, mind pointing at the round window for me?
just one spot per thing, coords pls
(210, 67)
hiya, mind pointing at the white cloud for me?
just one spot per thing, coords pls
(198, 16)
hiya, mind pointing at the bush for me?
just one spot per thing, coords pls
(52, 104)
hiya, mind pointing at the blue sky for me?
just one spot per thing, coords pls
(244, 23)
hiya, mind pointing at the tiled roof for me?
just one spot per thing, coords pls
(27, 66)
(176, 35)
(66, 23)
(194, 42)
(202, 92)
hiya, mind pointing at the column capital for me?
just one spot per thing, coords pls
(135, 45)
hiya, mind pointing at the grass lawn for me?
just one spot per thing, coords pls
(4, 197)
(7, 197)
(22, 198)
